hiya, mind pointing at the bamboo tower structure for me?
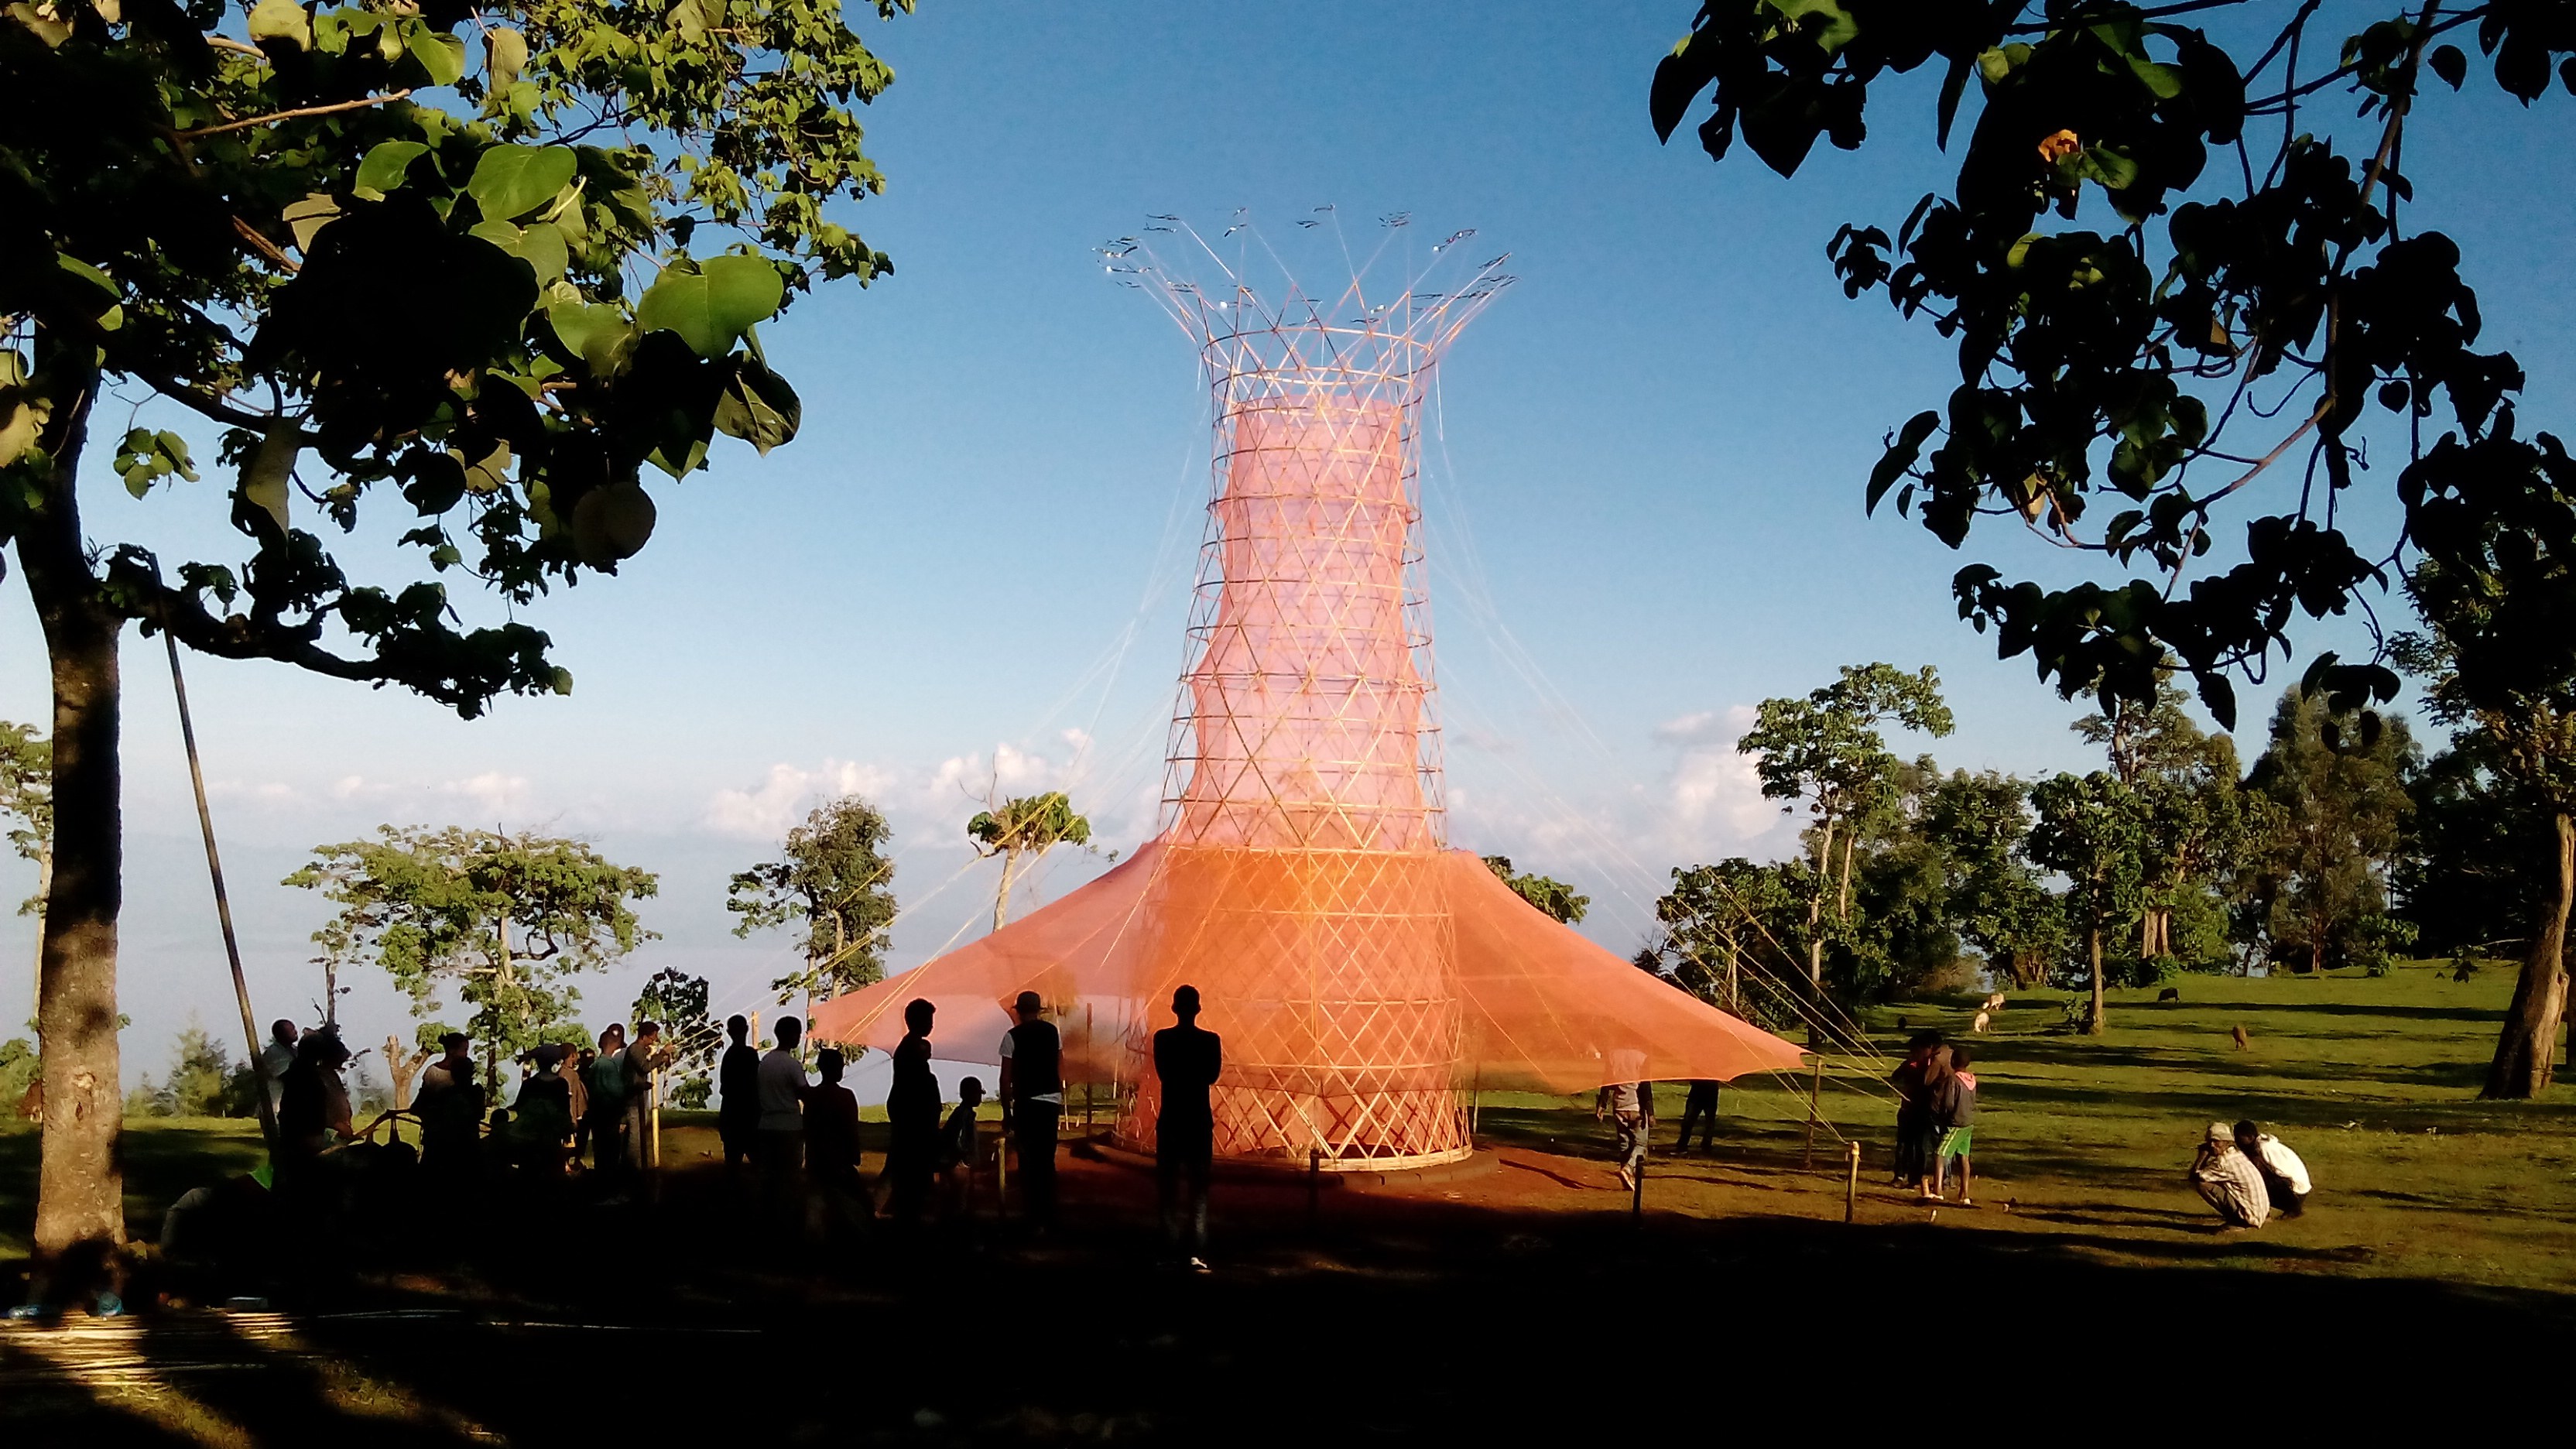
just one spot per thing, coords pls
(1365, 976)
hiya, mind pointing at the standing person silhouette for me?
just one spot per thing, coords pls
(912, 1111)
(781, 1154)
(1033, 1103)
(1187, 1061)
(738, 1113)
(450, 1107)
(1700, 1107)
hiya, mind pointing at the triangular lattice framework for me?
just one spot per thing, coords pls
(1302, 807)
(1365, 978)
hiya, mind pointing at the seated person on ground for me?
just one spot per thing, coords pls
(2285, 1177)
(2228, 1181)
(957, 1134)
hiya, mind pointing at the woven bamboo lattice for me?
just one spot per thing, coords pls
(1363, 975)
(1303, 805)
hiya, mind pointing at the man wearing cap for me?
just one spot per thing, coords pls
(1033, 1102)
(2229, 1181)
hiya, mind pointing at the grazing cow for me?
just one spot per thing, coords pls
(1994, 1001)
(1979, 1026)
(2170, 993)
(2241, 1042)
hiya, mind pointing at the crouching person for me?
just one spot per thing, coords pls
(2228, 1181)
(2285, 1177)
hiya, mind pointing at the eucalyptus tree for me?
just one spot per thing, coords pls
(1026, 826)
(506, 922)
(1825, 750)
(2174, 295)
(27, 811)
(834, 881)
(486, 261)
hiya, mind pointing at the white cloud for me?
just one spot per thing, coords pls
(768, 810)
(492, 793)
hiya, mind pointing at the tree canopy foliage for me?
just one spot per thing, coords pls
(2164, 282)
(833, 878)
(1553, 896)
(1029, 825)
(506, 922)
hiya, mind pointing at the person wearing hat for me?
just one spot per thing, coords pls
(2229, 1181)
(542, 1118)
(1033, 1103)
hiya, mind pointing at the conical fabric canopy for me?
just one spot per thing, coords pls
(1365, 978)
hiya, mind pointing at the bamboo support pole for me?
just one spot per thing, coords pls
(1851, 1183)
(223, 903)
(1815, 1082)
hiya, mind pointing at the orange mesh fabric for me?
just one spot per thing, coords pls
(1365, 979)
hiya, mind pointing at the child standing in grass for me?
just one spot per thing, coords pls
(1954, 1110)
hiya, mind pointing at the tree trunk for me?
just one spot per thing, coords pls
(2526, 1053)
(2093, 947)
(1842, 897)
(80, 1193)
(1816, 911)
(1002, 897)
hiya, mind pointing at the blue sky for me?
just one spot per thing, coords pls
(972, 567)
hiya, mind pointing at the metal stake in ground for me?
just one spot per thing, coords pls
(1851, 1184)
(223, 903)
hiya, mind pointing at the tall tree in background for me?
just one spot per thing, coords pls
(1727, 930)
(832, 877)
(506, 921)
(2497, 590)
(2136, 326)
(2091, 829)
(1826, 751)
(1981, 823)
(494, 259)
(2337, 785)
(1029, 826)
(2194, 821)
(1553, 896)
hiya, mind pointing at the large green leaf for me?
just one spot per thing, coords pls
(537, 244)
(385, 166)
(611, 523)
(439, 55)
(711, 307)
(594, 332)
(760, 408)
(511, 181)
(281, 20)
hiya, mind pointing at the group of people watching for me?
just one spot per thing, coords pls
(801, 1136)
(1936, 1111)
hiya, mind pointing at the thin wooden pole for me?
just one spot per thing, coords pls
(1815, 1081)
(1851, 1183)
(223, 903)
(1637, 1188)
(1314, 1186)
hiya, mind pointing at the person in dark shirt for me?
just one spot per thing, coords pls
(1187, 1062)
(450, 1107)
(912, 1112)
(1033, 1103)
(738, 1113)
(1700, 1107)
(832, 1149)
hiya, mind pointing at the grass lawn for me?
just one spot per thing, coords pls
(1502, 1298)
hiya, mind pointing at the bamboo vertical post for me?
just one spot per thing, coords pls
(1314, 1186)
(1001, 1173)
(1851, 1183)
(1637, 1192)
(223, 902)
(1815, 1081)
